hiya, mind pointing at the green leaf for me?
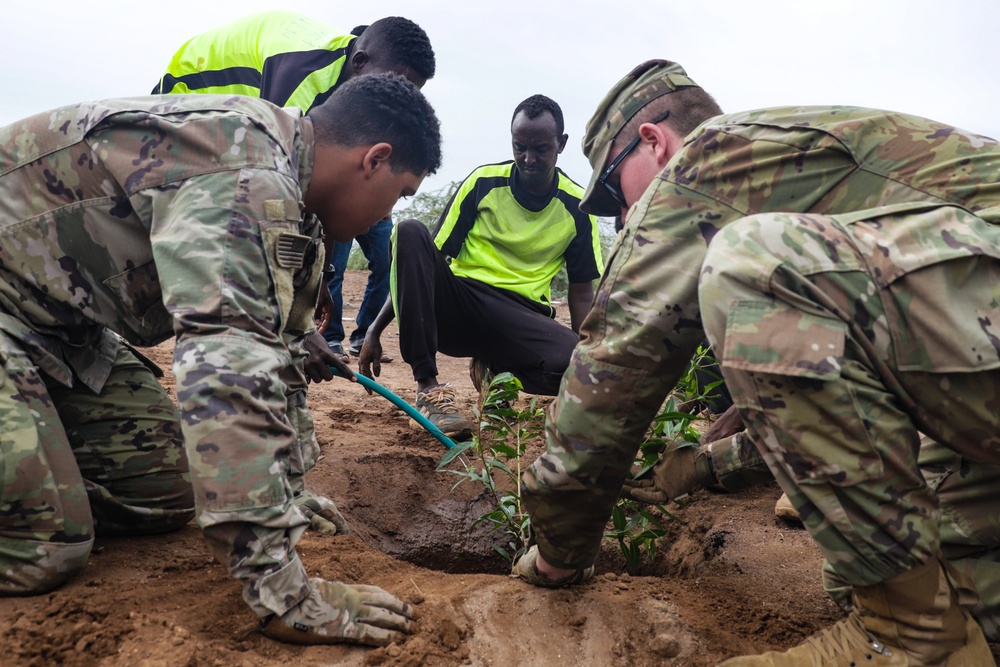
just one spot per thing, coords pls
(454, 453)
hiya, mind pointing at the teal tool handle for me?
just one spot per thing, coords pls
(368, 383)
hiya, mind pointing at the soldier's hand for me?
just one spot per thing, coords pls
(526, 568)
(321, 357)
(323, 515)
(370, 358)
(338, 613)
(674, 476)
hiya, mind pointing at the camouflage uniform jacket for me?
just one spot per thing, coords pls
(167, 215)
(646, 322)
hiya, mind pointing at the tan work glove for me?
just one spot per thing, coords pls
(337, 613)
(323, 515)
(682, 468)
(524, 568)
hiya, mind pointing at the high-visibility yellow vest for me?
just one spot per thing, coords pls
(495, 236)
(283, 57)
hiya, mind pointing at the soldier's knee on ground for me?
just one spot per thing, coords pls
(32, 567)
(168, 505)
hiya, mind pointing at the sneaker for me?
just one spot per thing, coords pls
(479, 373)
(438, 406)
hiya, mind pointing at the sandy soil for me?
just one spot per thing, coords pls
(729, 579)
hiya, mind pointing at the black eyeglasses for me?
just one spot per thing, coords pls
(603, 179)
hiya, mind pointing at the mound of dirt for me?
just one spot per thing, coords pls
(728, 579)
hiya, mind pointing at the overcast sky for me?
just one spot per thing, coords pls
(936, 59)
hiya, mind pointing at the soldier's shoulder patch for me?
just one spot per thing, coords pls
(291, 249)
(282, 209)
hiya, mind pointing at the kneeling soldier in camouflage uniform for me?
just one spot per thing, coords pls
(194, 217)
(843, 331)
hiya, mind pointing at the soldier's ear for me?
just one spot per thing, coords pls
(376, 159)
(662, 139)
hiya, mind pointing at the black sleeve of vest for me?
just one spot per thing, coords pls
(444, 211)
(581, 265)
(468, 212)
(282, 73)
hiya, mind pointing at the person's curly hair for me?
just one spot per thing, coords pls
(370, 109)
(401, 41)
(536, 105)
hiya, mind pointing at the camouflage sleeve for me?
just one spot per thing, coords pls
(645, 326)
(637, 341)
(228, 247)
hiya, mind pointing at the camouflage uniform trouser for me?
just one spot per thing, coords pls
(969, 531)
(74, 464)
(837, 360)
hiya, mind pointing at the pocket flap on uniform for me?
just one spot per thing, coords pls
(770, 337)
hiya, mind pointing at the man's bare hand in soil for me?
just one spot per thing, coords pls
(370, 358)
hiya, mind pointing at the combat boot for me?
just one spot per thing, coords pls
(911, 620)
(784, 509)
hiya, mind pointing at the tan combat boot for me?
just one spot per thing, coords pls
(784, 509)
(911, 620)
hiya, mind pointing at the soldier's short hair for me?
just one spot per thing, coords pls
(370, 109)
(536, 105)
(401, 42)
(689, 108)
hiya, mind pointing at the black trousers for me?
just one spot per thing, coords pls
(440, 312)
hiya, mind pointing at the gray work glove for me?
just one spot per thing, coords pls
(524, 568)
(683, 467)
(337, 613)
(323, 515)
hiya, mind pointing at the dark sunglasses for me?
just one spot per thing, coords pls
(603, 179)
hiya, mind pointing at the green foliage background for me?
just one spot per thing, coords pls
(427, 207)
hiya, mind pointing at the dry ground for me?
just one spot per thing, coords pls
(730, 579)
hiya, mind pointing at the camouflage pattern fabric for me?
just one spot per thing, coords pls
(736, 463)
(180, 216)
(969, 537)
(121, 449)
(646, 321)
(884, 347)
